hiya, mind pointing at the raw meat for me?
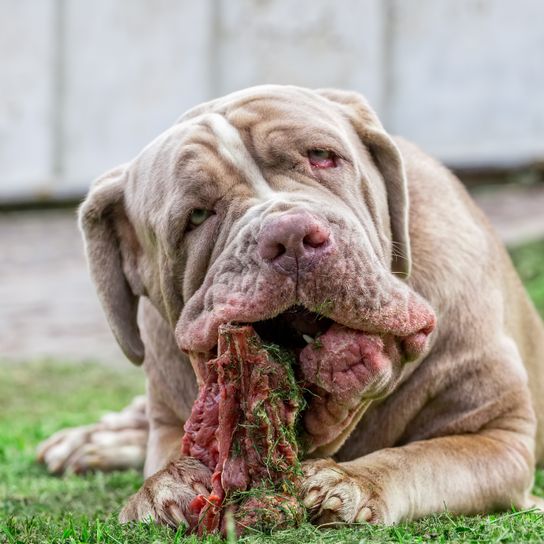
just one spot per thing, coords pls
(243, 428)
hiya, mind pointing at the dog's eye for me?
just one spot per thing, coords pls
(198, 216)
(322, 158)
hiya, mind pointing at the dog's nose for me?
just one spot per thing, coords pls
(293, 242)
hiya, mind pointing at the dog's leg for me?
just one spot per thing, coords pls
(464, 474)
(117, 442)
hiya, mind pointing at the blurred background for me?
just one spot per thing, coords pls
(85, 85)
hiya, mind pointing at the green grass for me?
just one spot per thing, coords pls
(36, 399)
(529, 260)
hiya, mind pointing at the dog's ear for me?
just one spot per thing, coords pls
(109, 246)
(388, 159)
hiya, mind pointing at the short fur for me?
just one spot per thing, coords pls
(461, 427)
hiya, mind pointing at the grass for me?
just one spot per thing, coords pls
(38, 398)
(529, 260)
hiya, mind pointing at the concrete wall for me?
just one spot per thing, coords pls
(84, 85)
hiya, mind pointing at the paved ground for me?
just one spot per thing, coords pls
(49, 308)
(516, 211)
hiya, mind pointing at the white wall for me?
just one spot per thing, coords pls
(27, 89)
(468, 78)
(84, 85)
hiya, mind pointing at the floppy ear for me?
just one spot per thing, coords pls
(103, 221)
(388, 159)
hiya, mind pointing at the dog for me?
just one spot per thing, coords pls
(294, 210)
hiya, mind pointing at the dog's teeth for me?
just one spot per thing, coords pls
(308, 339)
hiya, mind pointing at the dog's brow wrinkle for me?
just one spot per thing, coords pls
(232, 148)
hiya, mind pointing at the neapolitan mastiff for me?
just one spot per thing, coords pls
(294, 210)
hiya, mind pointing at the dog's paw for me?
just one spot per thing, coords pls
(332, 495)
(118, 441)
(165, 497)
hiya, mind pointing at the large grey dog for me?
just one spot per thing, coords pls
(294, 210)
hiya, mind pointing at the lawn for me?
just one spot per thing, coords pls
(38, 398)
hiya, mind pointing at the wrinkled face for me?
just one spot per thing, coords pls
(267, 207)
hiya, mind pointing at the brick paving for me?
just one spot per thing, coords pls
(48, 306)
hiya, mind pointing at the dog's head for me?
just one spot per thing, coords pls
(277, 206)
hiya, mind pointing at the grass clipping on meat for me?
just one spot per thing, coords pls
(243, 427)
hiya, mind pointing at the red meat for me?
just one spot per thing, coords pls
(242, 427)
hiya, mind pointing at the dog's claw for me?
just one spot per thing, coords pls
(364, 515)
(311, 499)
(332, 503)
(174, 516)
(201, 489)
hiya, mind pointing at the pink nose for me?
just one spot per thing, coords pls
(293, 242)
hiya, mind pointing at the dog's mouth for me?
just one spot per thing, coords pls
(331, 356)
(293, 329)
(335, 360)
(298, 328)
(342, 368)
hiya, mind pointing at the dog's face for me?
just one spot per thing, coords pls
(277, 206)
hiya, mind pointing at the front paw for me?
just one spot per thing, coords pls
(117, 442)
(334, 495)
(165, 497)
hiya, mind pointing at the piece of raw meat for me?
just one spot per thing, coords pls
(243, 428)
